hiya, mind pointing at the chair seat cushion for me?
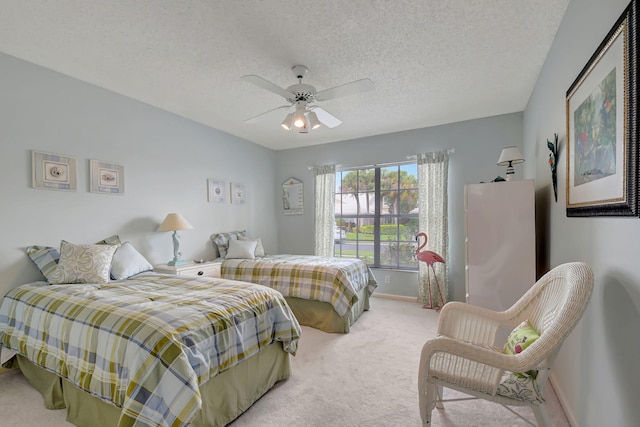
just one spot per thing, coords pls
(520, 388)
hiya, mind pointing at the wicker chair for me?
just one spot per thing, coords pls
(464, 356)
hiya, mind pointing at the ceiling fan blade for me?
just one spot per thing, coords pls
(266, 84)
(352, 88)
(326, 118)
(266, 113)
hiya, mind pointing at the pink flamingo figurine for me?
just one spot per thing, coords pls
(430, 258)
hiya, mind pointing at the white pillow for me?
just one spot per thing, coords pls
(83, 263)
(244, 249)
(127, 262)
(259, 248)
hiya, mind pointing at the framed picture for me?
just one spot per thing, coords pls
(215, 190)
(53, 172)
(106, 178)
(602, 137)
(238, 193)
(292, 197)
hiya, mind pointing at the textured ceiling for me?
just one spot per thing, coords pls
(432, 61)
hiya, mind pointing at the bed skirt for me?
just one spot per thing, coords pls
(321, 315)
(224, 397)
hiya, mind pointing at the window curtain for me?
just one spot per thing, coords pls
(325, 209)
(433, 172)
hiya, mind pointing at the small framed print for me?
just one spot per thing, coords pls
(53, 172)
(106, 178)
(215, 190)
(238, 193)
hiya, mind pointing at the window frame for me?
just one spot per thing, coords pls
(378, 217)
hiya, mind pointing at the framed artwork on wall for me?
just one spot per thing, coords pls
(53, 172)
(106, 178)
(602, 130)
(216, 190)
(238, 193)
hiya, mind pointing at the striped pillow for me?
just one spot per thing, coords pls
(45, 258)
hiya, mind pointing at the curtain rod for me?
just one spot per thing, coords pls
(375, 165)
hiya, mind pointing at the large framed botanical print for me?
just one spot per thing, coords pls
(602, 129)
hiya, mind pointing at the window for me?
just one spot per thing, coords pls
(376, 214)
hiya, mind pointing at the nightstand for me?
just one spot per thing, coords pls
(208, 269)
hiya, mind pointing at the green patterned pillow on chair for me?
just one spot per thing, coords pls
(519, 339)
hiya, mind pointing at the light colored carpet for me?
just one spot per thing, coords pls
(365, 378)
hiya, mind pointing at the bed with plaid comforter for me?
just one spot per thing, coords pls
(148, 342)
(336, 281)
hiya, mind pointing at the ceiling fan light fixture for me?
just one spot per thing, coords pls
(299, 118)
(287, 122)
(314, 123)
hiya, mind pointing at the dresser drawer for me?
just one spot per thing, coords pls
(205, 269)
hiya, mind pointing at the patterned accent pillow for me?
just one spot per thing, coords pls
(83, 263)
(259, 247)
(221, 241)
(520, 388)
(519, 339)
(127, 262)
(45, 258)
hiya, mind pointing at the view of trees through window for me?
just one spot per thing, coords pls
(376, 214)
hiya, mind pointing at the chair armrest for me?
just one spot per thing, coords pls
(471, 323)
(474, 353)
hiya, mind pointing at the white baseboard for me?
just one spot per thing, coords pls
(395, 297)
(563, 401)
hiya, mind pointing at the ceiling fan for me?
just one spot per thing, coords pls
(306, 115)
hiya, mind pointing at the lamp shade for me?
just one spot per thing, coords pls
(314, 123)
(510, 156)
(287, 122)
(173, 222)
(299, 118)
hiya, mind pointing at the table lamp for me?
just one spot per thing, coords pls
(510, 156)
(174, 222)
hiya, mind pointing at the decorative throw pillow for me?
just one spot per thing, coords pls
(245, 249)
(221, 241)
(83, 263)
(127, 262)
(259, 247)
(519, 339)
(45, 258)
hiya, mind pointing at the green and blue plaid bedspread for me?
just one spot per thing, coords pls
(146, 343)
(336, 281)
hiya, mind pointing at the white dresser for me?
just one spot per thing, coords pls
(500, 242)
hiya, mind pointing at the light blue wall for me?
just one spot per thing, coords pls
(596, 373)
(477, 145)
(167, 160)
